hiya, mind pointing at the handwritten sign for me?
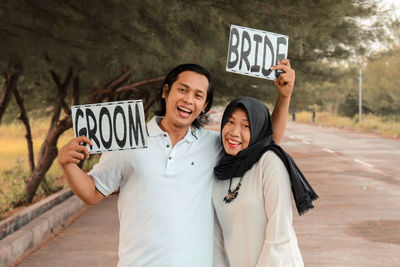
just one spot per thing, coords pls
(252, 52)
(111, 126)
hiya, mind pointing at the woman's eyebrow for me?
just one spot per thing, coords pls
(233, 117)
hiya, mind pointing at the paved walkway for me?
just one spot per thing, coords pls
(356, 221)
(90, 240)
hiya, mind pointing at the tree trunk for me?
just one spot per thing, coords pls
(48, 151)
(11, 78)
(25, 120)
(336, 107)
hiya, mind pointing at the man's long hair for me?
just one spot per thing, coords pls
(172, 77)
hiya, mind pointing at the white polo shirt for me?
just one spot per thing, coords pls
(164, 205)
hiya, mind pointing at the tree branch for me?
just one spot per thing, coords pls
(42, 34)
(103, 92)
(62, 92)
(75, 91)
(133, 86)
(11, 78)
(56, 78)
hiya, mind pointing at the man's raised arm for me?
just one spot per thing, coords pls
(81, 183)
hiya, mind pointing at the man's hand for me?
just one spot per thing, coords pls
(285, 81)
(81, 183)
(73, 151)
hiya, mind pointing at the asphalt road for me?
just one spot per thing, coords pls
(376, 154)
(356, 220)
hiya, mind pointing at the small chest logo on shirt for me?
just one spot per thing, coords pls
(192, 163)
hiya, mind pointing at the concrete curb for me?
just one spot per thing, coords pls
(23, 217)
(27, 237)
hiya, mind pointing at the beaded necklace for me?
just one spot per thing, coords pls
(232, 194)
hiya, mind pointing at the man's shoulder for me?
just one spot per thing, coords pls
(206, 134)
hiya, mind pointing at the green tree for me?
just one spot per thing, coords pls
(381, 90)
(87, 42)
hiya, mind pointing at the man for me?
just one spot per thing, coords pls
(164, 205)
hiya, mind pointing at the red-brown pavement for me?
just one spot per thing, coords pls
(90, 240)
(356, 220)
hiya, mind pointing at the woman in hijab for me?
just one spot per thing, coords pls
(252, 192)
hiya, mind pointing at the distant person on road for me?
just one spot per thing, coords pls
(252, 192)
(313, 116)
(164, 205)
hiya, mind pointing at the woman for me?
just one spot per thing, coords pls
(252, 192)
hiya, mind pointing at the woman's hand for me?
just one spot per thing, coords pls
(285, 81)
(73, 151)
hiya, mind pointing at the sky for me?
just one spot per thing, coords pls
(389, 3)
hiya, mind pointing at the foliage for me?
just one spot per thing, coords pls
(93, 41)
(349, 107)
(49, 185)
(13, 182)
(380, 87)
(381, 90)
(90, 162)
(13, 143)
(100, 38)
(12, 190)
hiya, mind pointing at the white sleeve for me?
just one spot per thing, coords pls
(107, 174)
(280, 246)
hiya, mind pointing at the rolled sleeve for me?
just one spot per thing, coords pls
(107, 174)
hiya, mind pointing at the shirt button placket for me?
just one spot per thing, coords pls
(169, 165)
(167, 141)
(168, 151)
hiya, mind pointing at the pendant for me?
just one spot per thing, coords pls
(232, 194)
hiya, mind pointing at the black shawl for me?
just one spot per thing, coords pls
(261, 141)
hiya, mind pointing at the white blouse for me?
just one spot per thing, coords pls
(257, 226)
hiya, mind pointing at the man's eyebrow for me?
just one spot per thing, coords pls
(187, 86)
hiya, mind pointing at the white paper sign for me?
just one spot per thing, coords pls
(111, 126)
(252, 52)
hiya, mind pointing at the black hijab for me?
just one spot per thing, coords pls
(261, 141)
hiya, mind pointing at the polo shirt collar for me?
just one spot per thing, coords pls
(154, 130)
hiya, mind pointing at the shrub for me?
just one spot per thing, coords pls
(13, 183)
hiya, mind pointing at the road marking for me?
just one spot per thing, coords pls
(364, 163)
(305, 142)
(328, 150)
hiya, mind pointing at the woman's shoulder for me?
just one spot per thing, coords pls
(271, 162)
(270, 157)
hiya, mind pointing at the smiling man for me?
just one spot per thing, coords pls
(164, 204)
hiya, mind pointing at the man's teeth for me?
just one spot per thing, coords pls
(185, 110)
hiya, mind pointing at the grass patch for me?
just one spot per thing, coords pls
(12, 190)
(369, 124)
(14, 166)
(13, 145)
